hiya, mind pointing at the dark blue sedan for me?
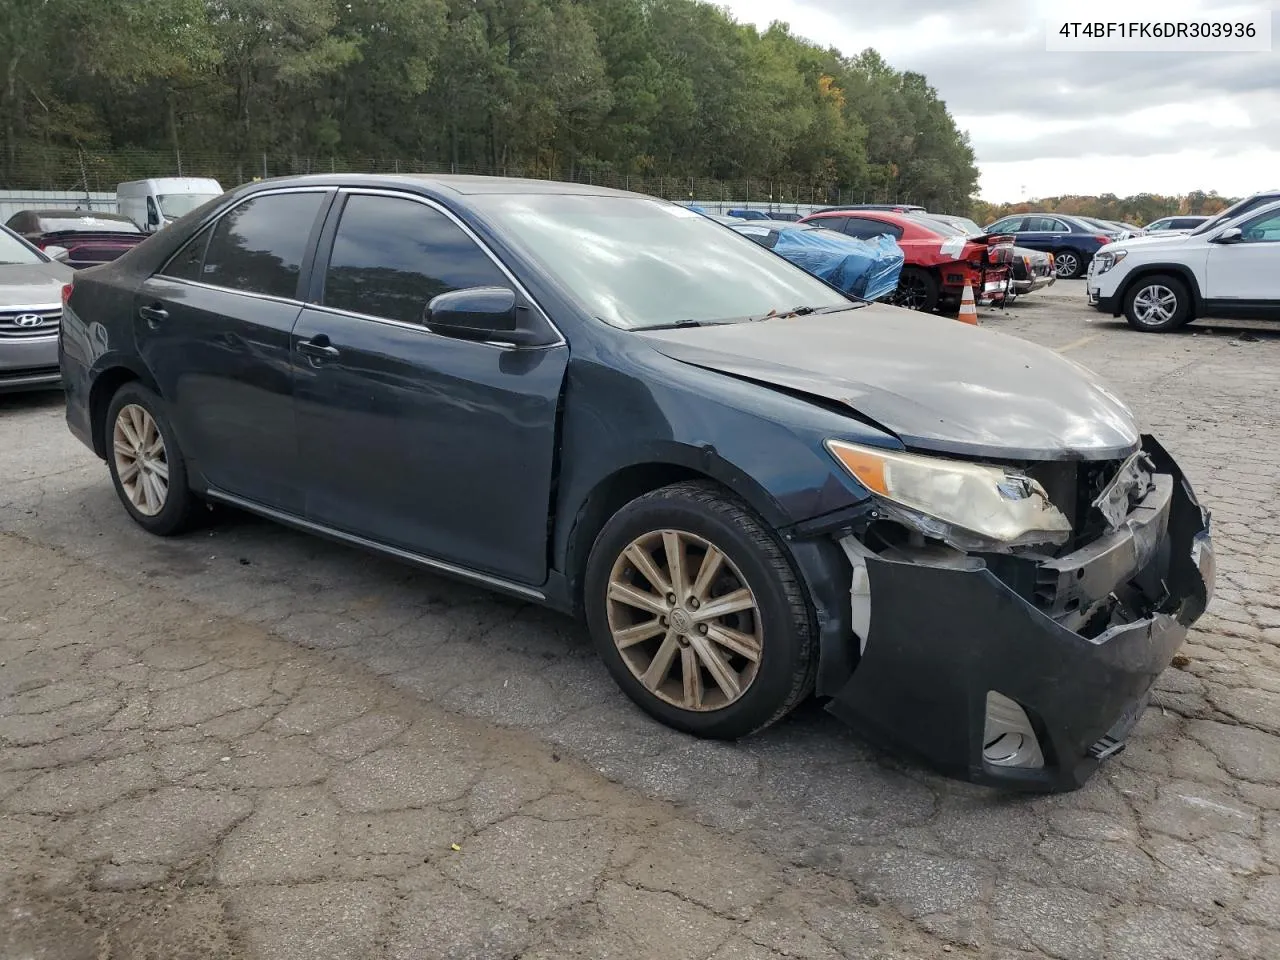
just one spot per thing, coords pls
(1072, 240)
(751, 488)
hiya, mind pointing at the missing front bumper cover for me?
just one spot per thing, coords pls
(941, 637)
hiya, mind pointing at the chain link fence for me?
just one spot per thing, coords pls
(72, 169)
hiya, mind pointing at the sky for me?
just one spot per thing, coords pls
(1060, 123)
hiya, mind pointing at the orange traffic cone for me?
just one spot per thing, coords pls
(968, 309)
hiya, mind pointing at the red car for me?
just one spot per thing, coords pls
(940, 259)
(89, 237)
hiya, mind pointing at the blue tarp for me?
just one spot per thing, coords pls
(864, 268)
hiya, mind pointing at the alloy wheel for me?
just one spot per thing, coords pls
(1154, 305)
(141, 464)
(1066, 265)
(911, 293)
(684, 619)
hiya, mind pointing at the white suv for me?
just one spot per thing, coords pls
(1227, 267)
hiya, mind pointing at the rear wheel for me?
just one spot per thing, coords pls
(147, 467)
(1067, 264)
(1157, 303)
(696, 611)
(917, 290)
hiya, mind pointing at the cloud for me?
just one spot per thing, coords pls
(1023, 104)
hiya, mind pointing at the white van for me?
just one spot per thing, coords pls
(154, 204)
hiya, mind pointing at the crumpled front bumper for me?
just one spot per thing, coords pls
(942, 638)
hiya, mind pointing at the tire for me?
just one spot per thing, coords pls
(167, 508)
(1067, 264)
(917, 290)
(1157, 303)
(779, 627)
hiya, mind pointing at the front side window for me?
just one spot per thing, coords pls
(1265, 229)
(1008, 225)
(392, 256)
(258, 246)
(637, 263)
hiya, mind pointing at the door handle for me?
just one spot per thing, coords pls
(318, 348)
(154, 315)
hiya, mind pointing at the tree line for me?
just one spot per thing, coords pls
(1139, 209)
(576, 89)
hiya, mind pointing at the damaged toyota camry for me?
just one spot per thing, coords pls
(752, 488)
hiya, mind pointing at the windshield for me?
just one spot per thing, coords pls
(1233, 211)
(13, 250)
(175, 205)
(638, 263)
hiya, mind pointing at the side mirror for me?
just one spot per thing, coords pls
(153, 218)
(478, 313)
(57, 253)
(1231, 235)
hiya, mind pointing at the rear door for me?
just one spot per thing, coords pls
(214, 326)
(438, 446)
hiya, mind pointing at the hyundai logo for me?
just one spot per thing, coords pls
(28, 320)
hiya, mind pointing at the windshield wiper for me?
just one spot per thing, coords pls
(677, 323)
(804, 311)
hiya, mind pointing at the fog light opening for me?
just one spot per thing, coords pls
(1008, 739)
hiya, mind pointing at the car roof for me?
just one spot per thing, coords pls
(462, 184)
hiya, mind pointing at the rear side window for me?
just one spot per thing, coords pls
(866, 229)
(187, 262)
(831, 223)
(391, 257)
(258, 246)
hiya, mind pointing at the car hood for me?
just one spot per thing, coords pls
(1149, 240)
(33, 284)
(935, 383)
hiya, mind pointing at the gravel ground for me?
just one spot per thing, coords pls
(251, 743)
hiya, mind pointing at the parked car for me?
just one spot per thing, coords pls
(1160, 285)
(1171, 225)
(865, 269)
(781, 215)
(89, 238)
(1071, 241)
(1116, 231)
(154, 204)
(751, 488)
(31, 284)
(940, 259)
(1032, 269)
(1236, 209)
(749, 214)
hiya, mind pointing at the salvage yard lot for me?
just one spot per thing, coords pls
(249, 742)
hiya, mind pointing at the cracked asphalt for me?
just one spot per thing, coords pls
(251, 743)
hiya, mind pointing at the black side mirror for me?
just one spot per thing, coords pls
(479, 313)
(153, 218)
(1232, 235)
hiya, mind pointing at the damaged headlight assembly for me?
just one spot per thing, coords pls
(971, 506)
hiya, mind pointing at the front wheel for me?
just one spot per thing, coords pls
(1158, 303)
(698, 614)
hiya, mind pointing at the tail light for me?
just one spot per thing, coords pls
(1104, 239)
(66, 293)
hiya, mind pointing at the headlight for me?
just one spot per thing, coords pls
(971, 505)
(1108, 260)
